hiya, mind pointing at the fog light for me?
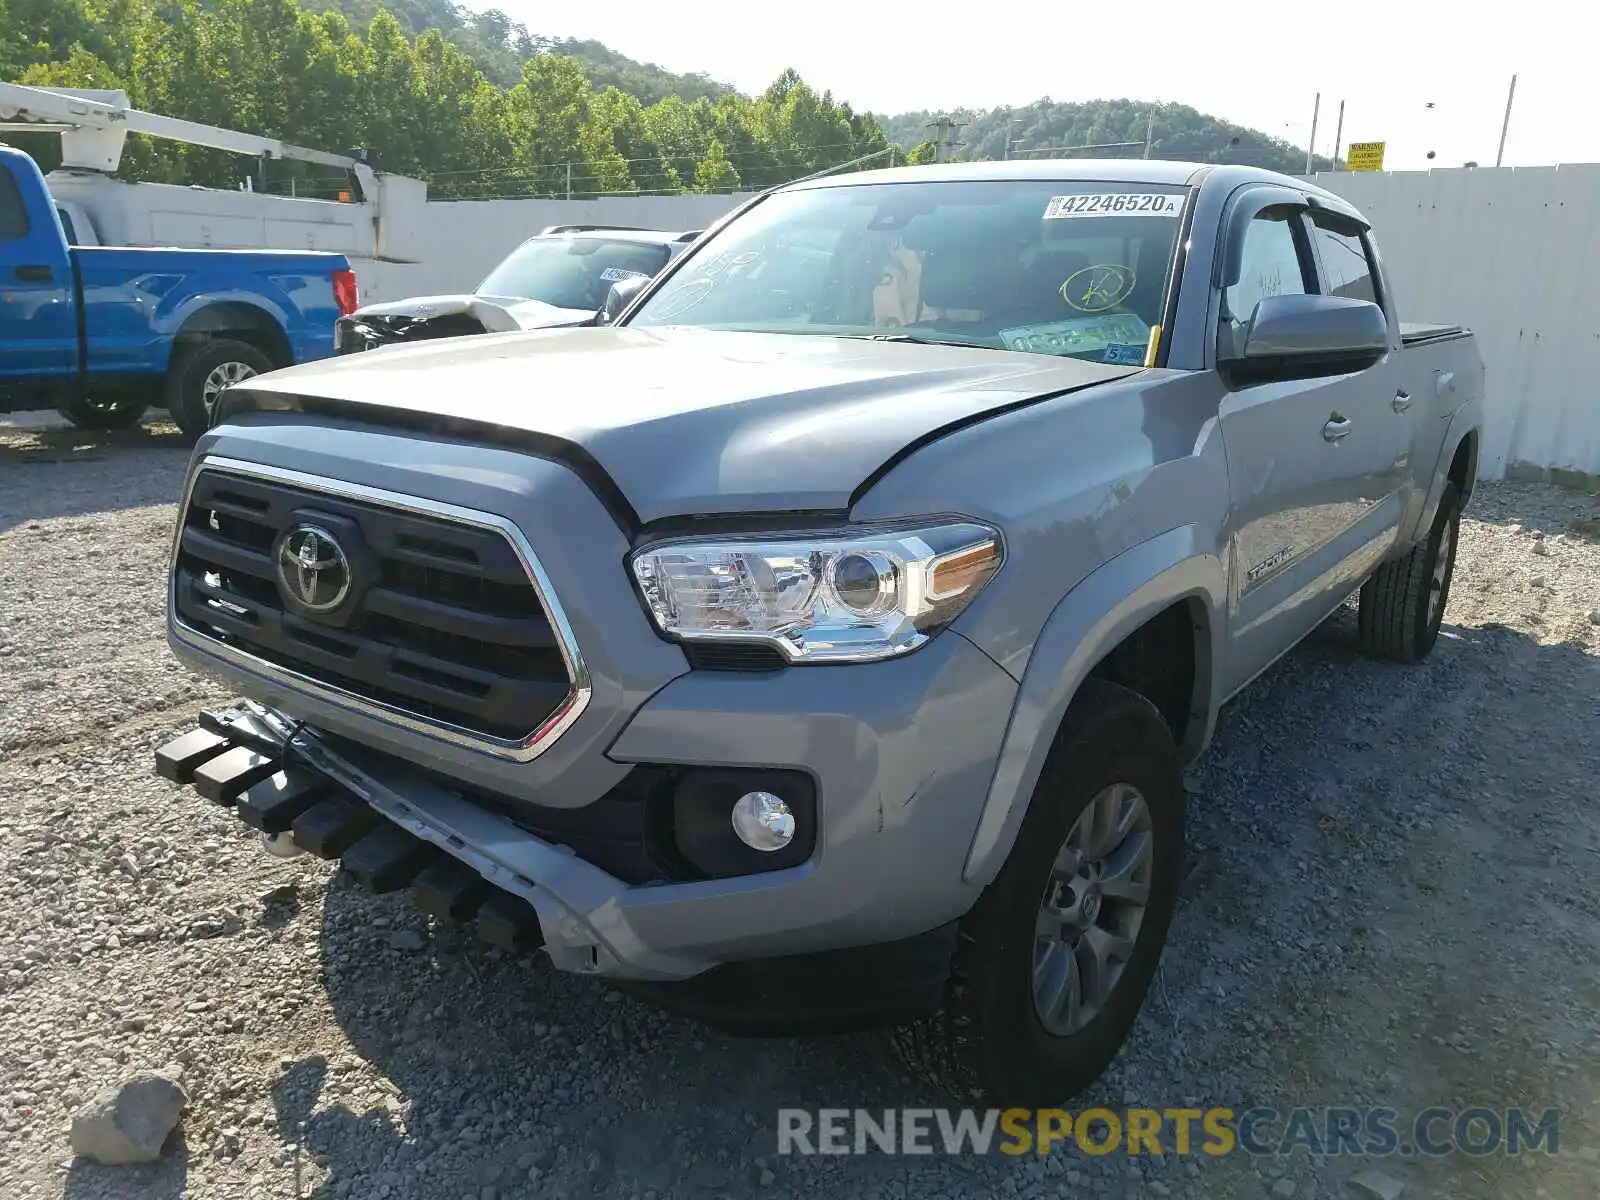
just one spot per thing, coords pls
(762, 821)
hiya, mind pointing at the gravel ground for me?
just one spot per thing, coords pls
(1392, 901)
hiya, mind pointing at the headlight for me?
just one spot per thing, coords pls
(846, 597)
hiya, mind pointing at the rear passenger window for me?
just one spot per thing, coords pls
(13, 213)
(1345, 264)
(1270, 264)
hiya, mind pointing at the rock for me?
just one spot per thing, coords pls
(1542, 550)
(1594, 615)
(130, 1122)
(1376, 1185)
(406, 939)
(1284, 1188)
(767, 1178)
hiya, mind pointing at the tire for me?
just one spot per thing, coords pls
(119, 410)
(1402, 604)
(195, 371)
(989, 1042)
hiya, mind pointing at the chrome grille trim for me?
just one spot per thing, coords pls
(525, 749)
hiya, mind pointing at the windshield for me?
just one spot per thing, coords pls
(571, 272)
(1076, 269)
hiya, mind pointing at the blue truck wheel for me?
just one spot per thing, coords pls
(199, 373)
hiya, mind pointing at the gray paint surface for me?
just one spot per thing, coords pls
(689, 421)
(1120, 492)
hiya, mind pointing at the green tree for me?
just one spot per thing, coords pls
(715, 173)
(621, 117)
(922, 153)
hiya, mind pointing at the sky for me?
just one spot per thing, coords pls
(1239, 61)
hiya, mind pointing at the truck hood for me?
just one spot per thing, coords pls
(686, 421)
(497, 314)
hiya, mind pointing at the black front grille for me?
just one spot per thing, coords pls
(442, 621)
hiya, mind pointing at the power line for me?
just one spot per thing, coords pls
(665, 156)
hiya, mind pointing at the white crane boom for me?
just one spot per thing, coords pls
(383, 223)
(93, 125)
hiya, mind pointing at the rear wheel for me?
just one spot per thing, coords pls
(1402, 605)
(1054, 961)
(200, 373)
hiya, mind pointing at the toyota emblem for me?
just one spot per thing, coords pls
(312, 569)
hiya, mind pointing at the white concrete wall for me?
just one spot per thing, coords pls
(462, 240)
(1514, 253)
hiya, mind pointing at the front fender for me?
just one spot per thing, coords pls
(1103, 609)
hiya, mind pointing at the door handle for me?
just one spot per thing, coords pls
(34, 274)
(1402, 401)
(1337, 428)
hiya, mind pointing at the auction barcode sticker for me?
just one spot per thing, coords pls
(1113, 204)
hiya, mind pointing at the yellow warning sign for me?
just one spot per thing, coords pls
(1364, 156)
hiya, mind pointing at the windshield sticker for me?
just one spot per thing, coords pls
(1112, 204)
(1081, 335)
(1098, 288)
(676, 303)
(1124, 354)
(618, 274)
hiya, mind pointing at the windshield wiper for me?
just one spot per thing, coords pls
(914, 339)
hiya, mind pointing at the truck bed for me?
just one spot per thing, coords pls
(1415, 333)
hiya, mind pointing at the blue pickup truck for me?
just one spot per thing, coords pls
(101, 333)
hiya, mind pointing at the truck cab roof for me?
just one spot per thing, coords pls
(630, 233)
(1161, 172)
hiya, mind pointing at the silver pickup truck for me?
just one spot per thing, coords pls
(819, 643)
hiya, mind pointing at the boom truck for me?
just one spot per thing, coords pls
(117, 295)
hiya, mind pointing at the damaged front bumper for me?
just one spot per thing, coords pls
(464, 865)
(460, 862)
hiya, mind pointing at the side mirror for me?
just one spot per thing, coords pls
(619, 297)
(1292, 336)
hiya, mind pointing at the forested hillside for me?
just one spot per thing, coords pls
(423, 104)
(1178, 131)
(499, 46)
(482, 107)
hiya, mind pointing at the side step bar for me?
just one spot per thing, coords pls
(236, 760)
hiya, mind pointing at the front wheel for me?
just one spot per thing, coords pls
(201, 373)
(1054, 961)
(115, 410)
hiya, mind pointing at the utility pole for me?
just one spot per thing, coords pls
(1506, 124)
(1149, 130)
(1316, 107)
(1010, 125)
(1338, 136)
(943, 144)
